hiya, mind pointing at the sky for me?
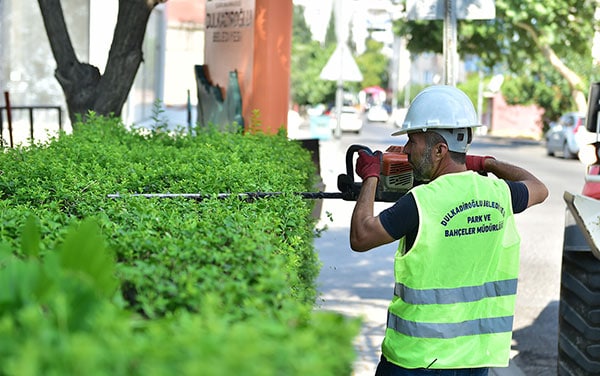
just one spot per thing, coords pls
(361, 14)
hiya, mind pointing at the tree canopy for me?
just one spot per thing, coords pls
(543, 47)
(309, 57)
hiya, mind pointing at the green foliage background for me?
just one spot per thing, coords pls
(309, 57)
(517, 43)
(170, 286)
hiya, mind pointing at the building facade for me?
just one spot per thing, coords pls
(27, 65)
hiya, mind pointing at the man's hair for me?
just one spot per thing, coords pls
(433, 138)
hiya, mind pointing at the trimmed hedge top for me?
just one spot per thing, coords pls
(172, 252)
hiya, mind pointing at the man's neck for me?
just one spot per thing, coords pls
(448, 166)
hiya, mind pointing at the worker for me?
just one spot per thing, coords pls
(457, 263)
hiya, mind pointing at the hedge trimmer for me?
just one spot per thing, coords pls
(395, 179)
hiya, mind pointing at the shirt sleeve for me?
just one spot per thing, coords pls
(519, 195)
(402, 218)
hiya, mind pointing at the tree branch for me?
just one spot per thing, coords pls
(125, 54)
(57, 32)
(78, 80)
(84, 88)
(572, 78)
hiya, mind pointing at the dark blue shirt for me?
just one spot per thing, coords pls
(402, 219)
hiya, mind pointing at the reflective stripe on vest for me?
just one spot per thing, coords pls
(456, 295)
(450, 330)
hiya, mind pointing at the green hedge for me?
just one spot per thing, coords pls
(223, 286)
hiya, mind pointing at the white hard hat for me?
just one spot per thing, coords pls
(445, 110)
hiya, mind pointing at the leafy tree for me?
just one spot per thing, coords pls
(84, 87)
(374, 65)
(307, 60)
(300, 30)
(545, 45)
(330, 33)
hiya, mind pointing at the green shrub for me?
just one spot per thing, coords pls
(58, 316)
(172, 251)
(218, 285)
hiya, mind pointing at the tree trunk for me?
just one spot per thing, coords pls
(85, 89)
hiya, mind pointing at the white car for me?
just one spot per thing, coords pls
(351, 119)
(378, 114)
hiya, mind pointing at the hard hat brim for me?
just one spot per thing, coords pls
(431, 128)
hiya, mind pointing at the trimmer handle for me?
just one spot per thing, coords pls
(355, 148)
(350, 189)
(346, 184)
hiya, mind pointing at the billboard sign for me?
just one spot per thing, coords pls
(229, 40)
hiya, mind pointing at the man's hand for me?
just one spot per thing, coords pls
(476, 162)
(368, 165)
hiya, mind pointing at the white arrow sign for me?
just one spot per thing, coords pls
(341, 66)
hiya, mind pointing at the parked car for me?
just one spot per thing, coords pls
(378, 114)
(560, 138)
(351, 119)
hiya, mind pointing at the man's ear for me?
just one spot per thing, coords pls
(440, 150)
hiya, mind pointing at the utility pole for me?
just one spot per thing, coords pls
(448, 11)
(450, 41)
(339, 93)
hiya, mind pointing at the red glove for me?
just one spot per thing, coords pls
(368, 164)
(476, 162)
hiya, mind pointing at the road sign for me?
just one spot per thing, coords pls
(465, 9)
(341, 66)
(450, 11)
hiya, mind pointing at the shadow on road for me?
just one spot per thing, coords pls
(537, 344)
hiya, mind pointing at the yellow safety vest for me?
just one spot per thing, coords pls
(455, 291)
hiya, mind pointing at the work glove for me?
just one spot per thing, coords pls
(476, 162)
(368, 164)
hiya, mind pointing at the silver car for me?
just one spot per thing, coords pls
(560, 138)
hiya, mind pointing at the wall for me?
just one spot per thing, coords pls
(514, 120)
(252, 37)
(184, 49)
(27, 64)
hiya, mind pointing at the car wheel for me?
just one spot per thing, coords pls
(567, 153)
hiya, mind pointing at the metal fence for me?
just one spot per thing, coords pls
(30, 109)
